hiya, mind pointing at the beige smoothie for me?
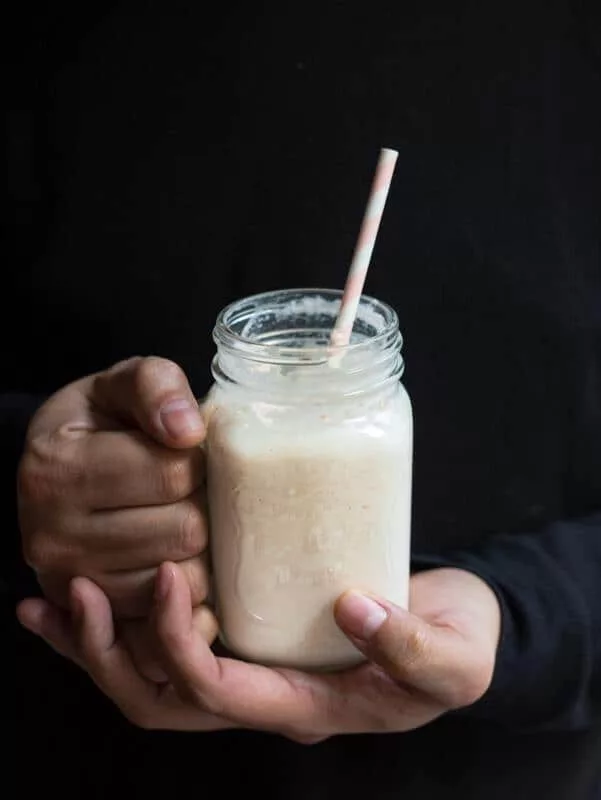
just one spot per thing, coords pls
(314, 502)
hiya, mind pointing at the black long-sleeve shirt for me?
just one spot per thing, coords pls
(168, 157)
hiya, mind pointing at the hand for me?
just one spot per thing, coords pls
(110, 485)
(422, 664)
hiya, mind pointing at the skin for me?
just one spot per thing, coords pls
(421, 664)
(110, 484)
(114, 524)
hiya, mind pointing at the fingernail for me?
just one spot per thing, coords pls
(162, 584)
(180, 419)
(359, 615)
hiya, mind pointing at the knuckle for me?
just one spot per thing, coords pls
(416, 645)
(45, 553)
(47, 485)
(103, 382)
(37, 554)
(174, 479)
(192, 536)
(154, 371)
(126, 364)
(198, 582)
(32, 482)
(410, 653)
(49, 471)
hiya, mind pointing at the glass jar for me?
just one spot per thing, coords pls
(309, 465)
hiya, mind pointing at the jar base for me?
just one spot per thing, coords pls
(303, 664)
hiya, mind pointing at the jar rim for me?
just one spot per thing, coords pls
(238, 311)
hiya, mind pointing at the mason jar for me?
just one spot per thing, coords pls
(309, 466)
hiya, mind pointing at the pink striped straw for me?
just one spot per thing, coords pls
(357, 273)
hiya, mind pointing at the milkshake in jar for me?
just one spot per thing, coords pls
(309, 459)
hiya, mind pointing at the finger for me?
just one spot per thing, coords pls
(130, 593)
(141, 642)
(121, 469)
(93, 469)
(107, 661)
(155, 394)
(68, 411)
(49, 623)
(250, 695)
(435, 661)
(138, 641)
(204, 624)
(116, 541)
(138, 538)
(111, 668)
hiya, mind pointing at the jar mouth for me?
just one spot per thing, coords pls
(293, 326)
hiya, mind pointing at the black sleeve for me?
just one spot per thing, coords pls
(16, 580)
(548, 581)
(548, 672)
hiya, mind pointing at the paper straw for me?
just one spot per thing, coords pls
(357, 273)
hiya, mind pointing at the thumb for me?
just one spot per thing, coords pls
(434, 660)
(154, 394)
